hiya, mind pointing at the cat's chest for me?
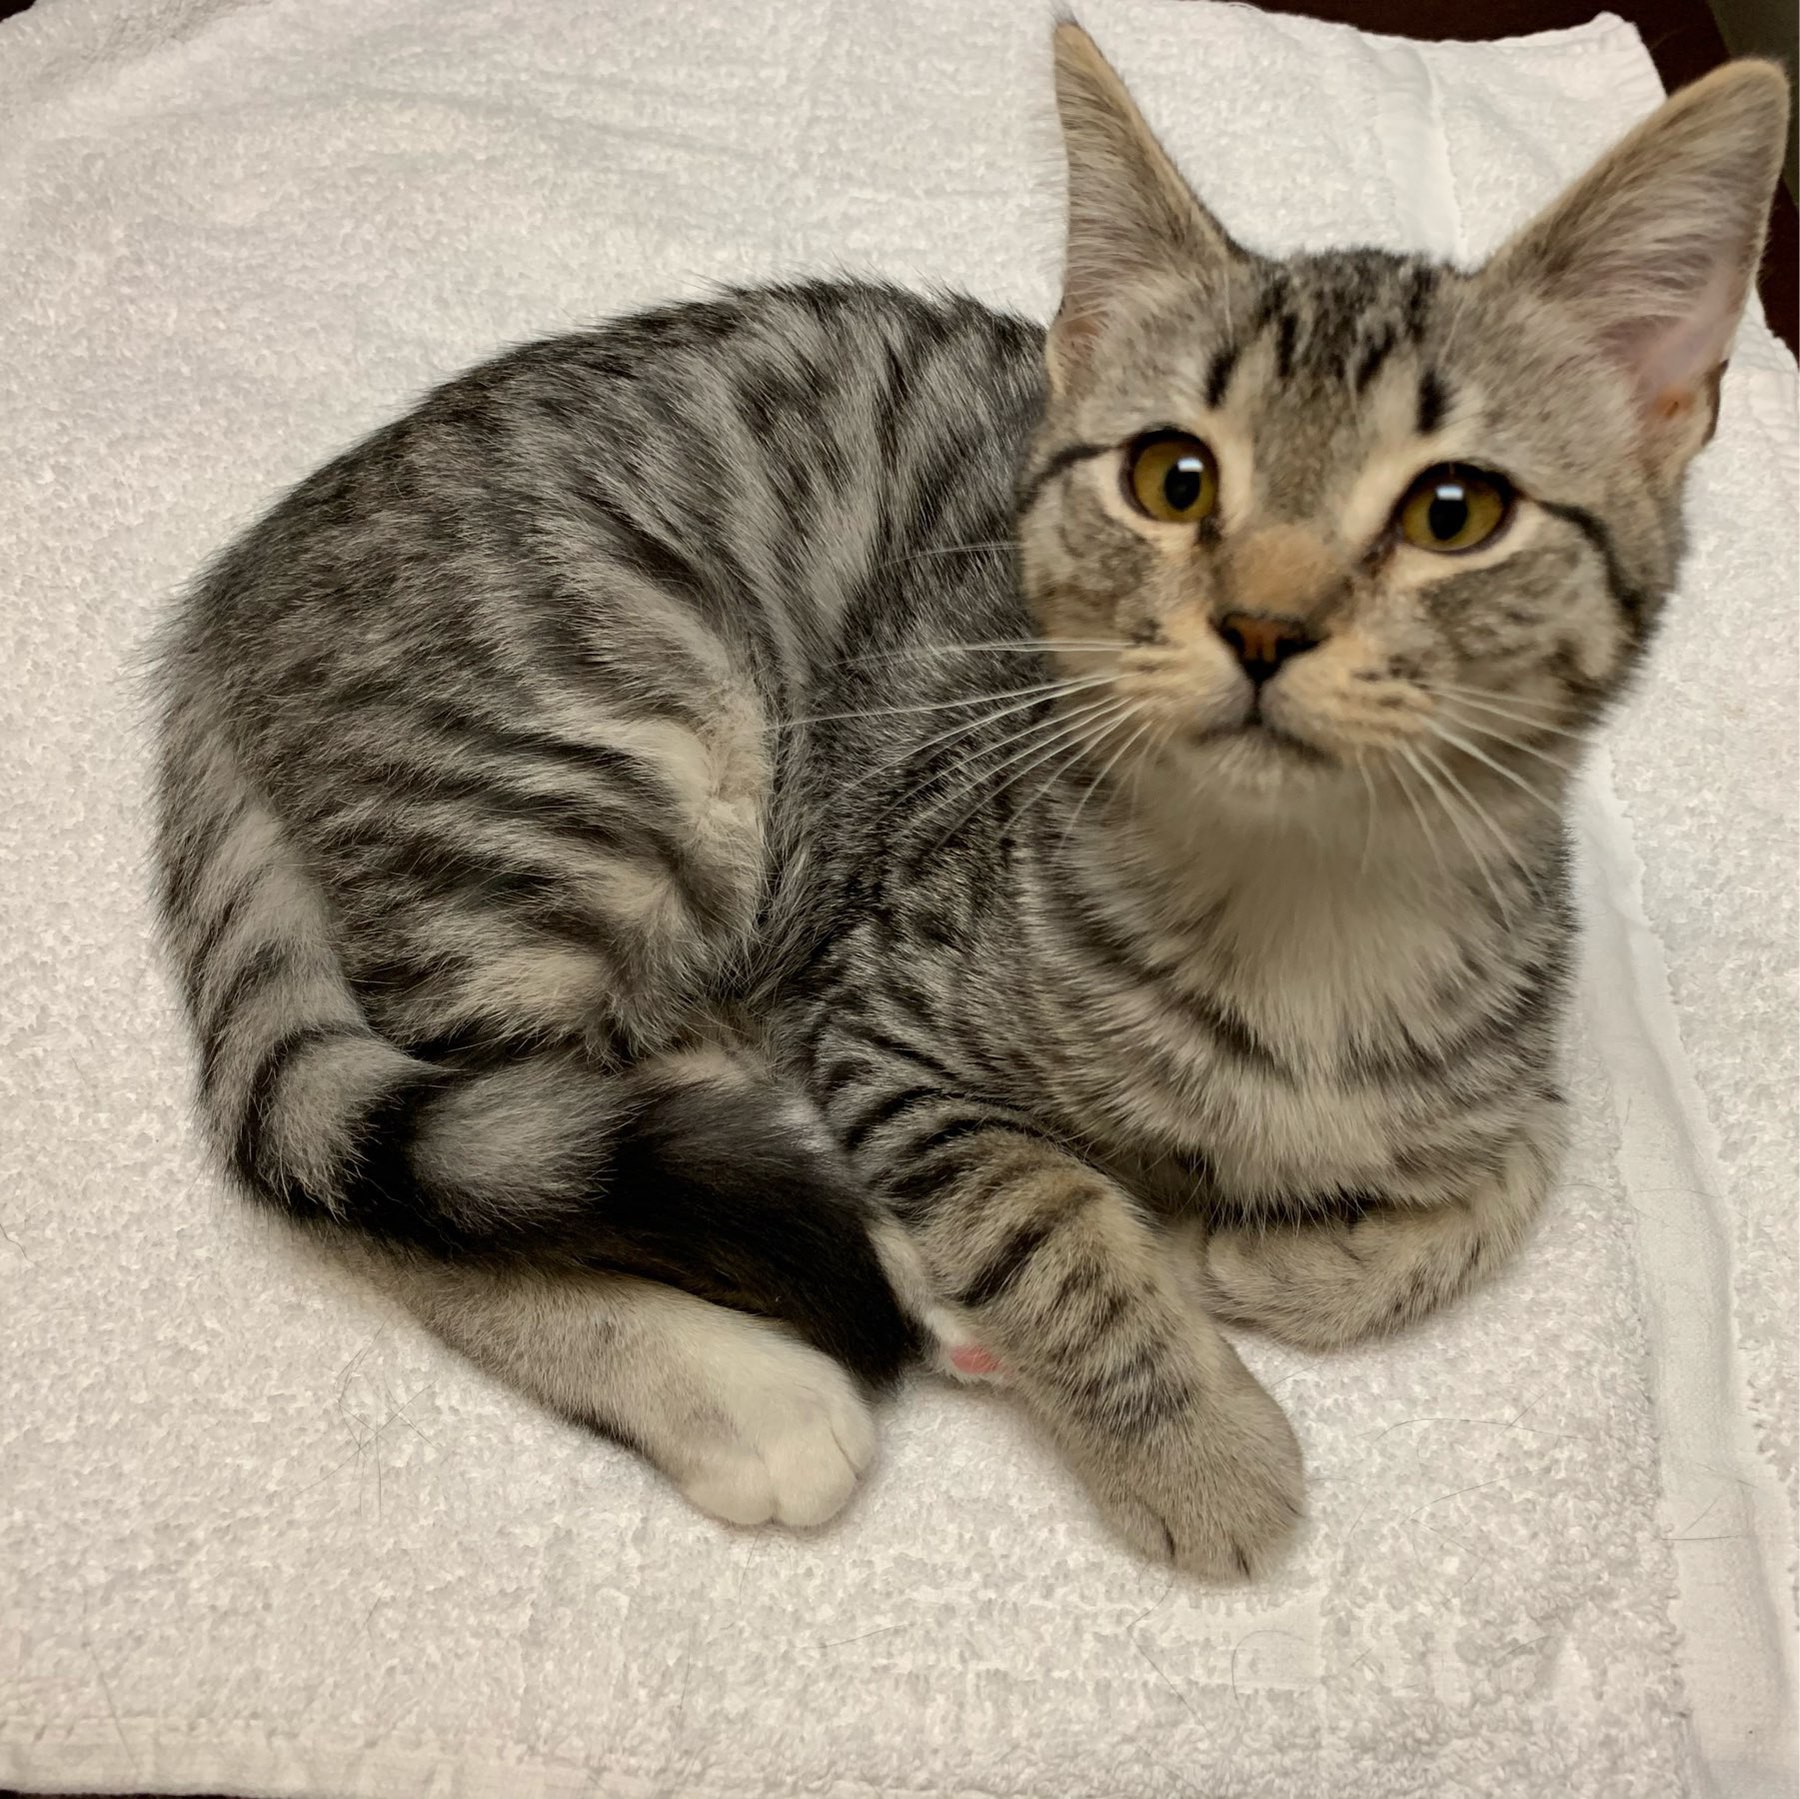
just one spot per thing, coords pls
(1282, 1077)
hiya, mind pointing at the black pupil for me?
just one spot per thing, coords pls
(1448, 514)
(1182, 484)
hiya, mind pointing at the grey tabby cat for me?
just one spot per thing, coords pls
(783, 834)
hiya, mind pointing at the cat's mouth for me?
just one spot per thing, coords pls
(1264, 733)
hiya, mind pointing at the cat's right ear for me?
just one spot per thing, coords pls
(1651, 255)
(1132, 218)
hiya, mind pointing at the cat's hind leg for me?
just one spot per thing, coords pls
(1367, 1271)
(752, 1425)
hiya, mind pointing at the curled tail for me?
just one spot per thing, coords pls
(693, 1169)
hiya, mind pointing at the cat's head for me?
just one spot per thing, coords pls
(1360, 517)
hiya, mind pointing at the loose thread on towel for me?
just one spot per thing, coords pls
(1444, 1535)
(1160, 1671)
(880, 1630)
(1498, 1480)
(87, 1637)
(1699, 1517)
(1187, 1786)
(364, 1444)
(1162, 1674)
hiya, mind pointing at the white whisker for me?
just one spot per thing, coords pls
(1027, 694)
(1021, 646)
(1073, 740)
(1499, 768)
(961, 549)
(1043, 716)
(1050, 729)
(1368, 781)
(911, 753)
(1106, 768)
(1412, 799)
(1481, 814)
(1512, 743)
(1455, 817)
(1101, 730)
(1469, 844)
(1064, 756)
(1508, 705)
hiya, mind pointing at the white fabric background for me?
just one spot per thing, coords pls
(258, 1534)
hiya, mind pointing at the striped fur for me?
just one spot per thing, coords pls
(724, 848)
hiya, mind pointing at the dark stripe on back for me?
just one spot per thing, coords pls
(371, 704)
(592, 817)
(638, 549)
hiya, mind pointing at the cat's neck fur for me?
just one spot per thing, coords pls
(1362, 905)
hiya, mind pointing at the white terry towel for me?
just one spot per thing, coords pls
(258, 1534)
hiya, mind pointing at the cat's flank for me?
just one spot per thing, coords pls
(777, 835)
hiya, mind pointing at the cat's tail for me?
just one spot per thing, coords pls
(697, 1170)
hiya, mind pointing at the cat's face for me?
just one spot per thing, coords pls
(1333, 536)
(1355, 517)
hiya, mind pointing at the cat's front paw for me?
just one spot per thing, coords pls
(1217, 1489)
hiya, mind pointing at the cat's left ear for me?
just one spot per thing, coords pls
(1653, 251)
(1132, 218)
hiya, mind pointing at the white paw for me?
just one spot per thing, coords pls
(784, 1437)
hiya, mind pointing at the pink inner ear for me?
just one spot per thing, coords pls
(971, 1358)
(1672, 359)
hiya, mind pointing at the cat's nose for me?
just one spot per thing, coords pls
(1262, 642)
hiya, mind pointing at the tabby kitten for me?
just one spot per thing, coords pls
(781, 834)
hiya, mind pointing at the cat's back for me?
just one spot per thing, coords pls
(759, 455)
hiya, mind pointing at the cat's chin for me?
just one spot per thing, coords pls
(1258, 773)
(1250, 766)
(1259, 744)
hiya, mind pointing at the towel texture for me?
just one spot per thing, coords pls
(258, 1534)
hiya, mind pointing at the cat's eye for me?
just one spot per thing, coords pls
(1451, 508)
(1171, 477)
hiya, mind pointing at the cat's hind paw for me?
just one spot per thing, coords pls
(784, 1440)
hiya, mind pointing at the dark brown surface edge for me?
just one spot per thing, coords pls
(1684, 42)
